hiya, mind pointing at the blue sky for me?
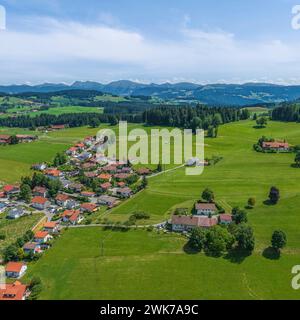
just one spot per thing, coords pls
(149, 41)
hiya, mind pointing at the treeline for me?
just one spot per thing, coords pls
(72, 119)
(193, 117)
(287, 112)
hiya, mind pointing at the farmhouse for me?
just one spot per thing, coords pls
(225, 218)
(187, 223)
(58, 127)
(26, 138)
(42, 237)
(31, 248)
(15, 269)
(40, 192)
(72, 151)
(40, 203)
(5, 139)
(205, 209)
(15, 213)
(276, 146)
(15, 291)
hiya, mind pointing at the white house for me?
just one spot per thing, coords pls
(205, 209)
(15, 269)
(15, 213)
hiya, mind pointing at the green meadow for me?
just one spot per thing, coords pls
(147, 265)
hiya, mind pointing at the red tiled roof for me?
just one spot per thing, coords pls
(41, 234)
(40, 190)
(74, 216)
(105, 185)
(50, 225)
(88, 206)
(206, 206)
(275, 144)
(122, 175)
(225, 217)
(69, 213)
(9, 188)
(39, 200)
(104, 176)
(52, 172)
(14, 291)
(87, 193)
(197, 221)
(62, 197)
(14, 267)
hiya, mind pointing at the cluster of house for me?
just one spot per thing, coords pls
(22, 138)
(15, 270)
(205, 216)
(76, 199)
(276, 146)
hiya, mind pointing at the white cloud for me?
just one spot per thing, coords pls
(59, 51)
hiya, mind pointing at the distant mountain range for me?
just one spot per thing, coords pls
(213, 94)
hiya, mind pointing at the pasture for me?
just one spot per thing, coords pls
(147, 265)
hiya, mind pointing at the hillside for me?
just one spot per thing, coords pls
(216, 94)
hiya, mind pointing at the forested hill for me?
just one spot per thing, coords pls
(287, 112)
(213, 94)
(198, 117)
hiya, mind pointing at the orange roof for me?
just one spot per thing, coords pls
(62, 197)
(79, 145)
(74, 216)
(50, 225)
(87, 193)
(52, 172)
(104, 176)
(275, 144)
(8, 188)
(15, 291)
(105, 185)
(41, 234)
(69, 213)
(14, 267)
(89, 206)
(39, 200)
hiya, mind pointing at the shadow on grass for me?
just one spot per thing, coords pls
(294, 165)
(237, 255)
(269, 203)
(189, 250)
(259, 127)
(271, 253)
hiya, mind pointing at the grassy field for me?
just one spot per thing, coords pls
(16, 228)
(141, 265)
(145, 265)
(15, 161)
(53, 111)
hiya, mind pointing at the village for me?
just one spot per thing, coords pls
(78, 183)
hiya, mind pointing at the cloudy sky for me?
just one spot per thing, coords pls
(203, 41)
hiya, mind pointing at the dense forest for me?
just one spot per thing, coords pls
(72, 119)
(287, 112)
(193, 117)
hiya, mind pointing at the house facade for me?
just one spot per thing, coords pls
(205, 209)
